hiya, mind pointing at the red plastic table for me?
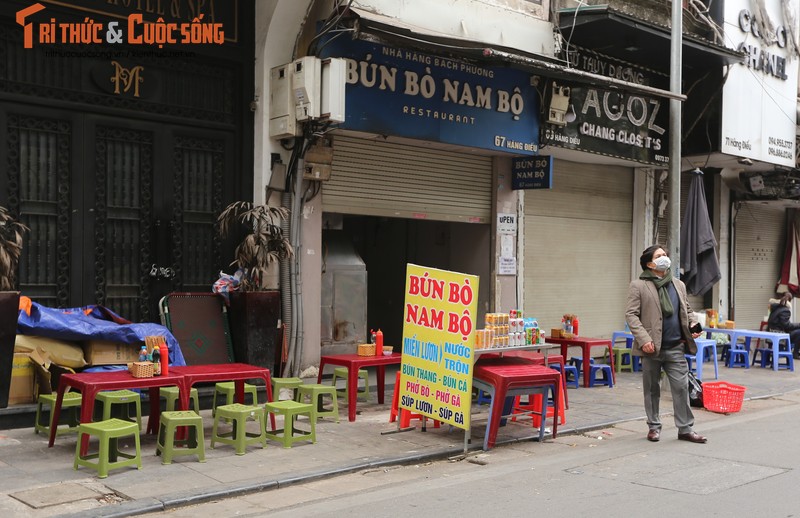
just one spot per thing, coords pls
(236, 372)
(509, 376)
(353, 362)
(586, 345)
(90, 383)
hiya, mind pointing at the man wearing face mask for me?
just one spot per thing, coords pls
(660, 318)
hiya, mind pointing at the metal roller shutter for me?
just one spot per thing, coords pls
(375, 178)
(578, 247)
(760, 233)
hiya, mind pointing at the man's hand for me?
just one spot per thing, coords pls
(649, 348)
(696, 335)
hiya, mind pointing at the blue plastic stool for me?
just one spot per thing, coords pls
(571, 378)
(738, 357)
(766, 359)
(606, 377)
(578, 363)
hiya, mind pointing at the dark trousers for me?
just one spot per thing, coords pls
(794, 336)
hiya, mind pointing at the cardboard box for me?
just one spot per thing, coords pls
(22, 375)
(101, 352)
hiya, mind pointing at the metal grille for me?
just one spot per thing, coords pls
(199, 172)
(39, 191)
(759, 233)
(377, 178)
(587, 216)
(124, 169)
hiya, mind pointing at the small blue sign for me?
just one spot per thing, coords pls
(402, 92)
(532, 173)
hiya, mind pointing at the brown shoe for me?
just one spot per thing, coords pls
(654, 435)
(692, 437)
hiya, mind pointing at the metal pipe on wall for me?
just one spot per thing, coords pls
(286, 286)
(675, 80)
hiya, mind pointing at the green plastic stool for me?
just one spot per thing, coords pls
(239, 437)
(72, 401)
(290, 434)
(285, 383)
(314, 392)
(619, 352)
(125, 398)
(341, 372)
(172, 394)
(228, 389)
(194, 443)
(108, 433)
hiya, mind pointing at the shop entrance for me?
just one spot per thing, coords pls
(387, 245)
(120, 211)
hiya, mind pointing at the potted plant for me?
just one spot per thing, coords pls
(255, 311)
(11, 234)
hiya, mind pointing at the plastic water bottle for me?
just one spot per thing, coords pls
(143, 354)
(156, 361)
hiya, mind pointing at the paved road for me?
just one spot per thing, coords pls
(748, 468)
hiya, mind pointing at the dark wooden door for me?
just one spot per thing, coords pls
(121, 211)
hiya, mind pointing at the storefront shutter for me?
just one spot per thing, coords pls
(376, 178)
(759, 233)
(578, 247)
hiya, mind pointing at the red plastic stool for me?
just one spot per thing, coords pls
(535, 403)
(405, 415)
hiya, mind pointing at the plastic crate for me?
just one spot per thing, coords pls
(723, 397)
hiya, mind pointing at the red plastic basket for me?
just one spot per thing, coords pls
(723, 397)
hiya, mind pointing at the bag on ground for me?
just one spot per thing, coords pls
(695, 391)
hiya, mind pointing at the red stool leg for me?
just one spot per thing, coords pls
(395, 399)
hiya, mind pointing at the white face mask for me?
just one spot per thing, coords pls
(662, 263)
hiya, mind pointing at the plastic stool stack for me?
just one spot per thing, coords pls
(239, 437)
(290, 434)
(126, 398)
(108, 433)
(194, 444)
(72, 401)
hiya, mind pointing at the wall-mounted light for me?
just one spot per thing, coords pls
(571, 115)
(559, 103)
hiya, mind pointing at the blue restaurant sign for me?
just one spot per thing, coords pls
(532, 173)
(401, 92)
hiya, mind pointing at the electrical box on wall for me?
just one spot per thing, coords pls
(306, 84)
(282, 121)
(334, 76)
(317, 161)
(306, 89)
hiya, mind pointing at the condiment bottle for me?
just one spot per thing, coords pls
(379, 342)
(156, 361)
(575, 323)
(164, 350)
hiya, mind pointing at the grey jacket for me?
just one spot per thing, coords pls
(643, 315)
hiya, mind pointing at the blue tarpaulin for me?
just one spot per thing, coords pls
(93, 323)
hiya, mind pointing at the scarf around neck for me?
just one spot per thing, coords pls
(661, 284)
